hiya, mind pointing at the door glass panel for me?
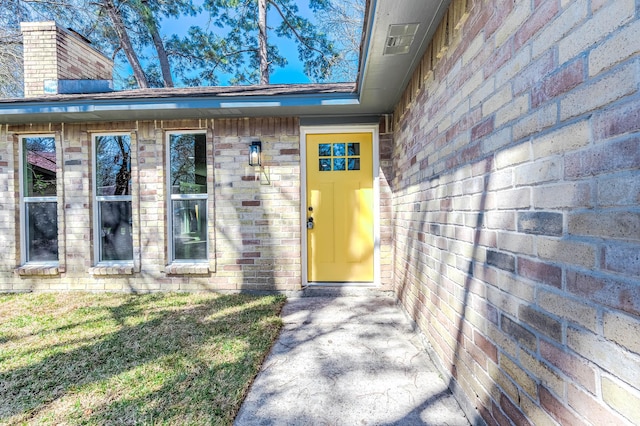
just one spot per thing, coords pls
(338, 164)
(353, 149)
(354, 164)
(325, 165)
(324, 150)
(338, 149)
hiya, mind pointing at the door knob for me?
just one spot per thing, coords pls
(310, 223)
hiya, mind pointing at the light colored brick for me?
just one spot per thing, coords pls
(537, 172)
(622, 398)
(514, 199)
(595, 29)
(565, 139)
(622, 329)
(573, 14)
(497, 100)
(515, 242)
(606, 355)
(535, 122)
(557, 304)
(519, 14)
(518, 107)
(591, 96)
(617, 48)
(562, 195)
(512, 156)
(566, 251)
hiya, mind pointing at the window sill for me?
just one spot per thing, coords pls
(38, 269)
(112, 269)
(187, 269)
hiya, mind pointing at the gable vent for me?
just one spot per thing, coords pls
(399, 38)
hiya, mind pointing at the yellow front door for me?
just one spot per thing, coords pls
(340, 241)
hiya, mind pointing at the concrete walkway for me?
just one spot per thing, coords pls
(348, 361)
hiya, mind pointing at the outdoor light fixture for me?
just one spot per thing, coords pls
(254, 153)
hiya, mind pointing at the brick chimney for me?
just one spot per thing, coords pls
(61, 61)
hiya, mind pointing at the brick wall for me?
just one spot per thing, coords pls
(253, 217)
(52, 53)
(516, 197)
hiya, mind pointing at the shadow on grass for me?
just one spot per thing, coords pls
(165, 362)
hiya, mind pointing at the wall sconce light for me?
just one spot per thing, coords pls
(255, 150)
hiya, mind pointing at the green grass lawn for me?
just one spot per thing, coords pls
(131, 359)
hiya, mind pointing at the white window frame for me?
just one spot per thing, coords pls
(183, 197)
(97, 226)
(24, 200)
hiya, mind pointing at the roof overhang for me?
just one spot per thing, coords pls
(381, 81)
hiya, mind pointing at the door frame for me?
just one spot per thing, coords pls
(328, 129)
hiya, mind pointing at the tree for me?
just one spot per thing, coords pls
(235, 41)
(244, 51)
(343, 19)
(11, 84)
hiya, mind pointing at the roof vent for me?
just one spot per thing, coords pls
(399, 38)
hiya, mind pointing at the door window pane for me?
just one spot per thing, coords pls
(190, 229)
(42, 231)
(188, 172)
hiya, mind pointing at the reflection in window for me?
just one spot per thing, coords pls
(188, 164)
(113, 197)
(189, 229)
(188, 183)
(40, 219)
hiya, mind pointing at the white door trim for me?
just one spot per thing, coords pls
(370, 128)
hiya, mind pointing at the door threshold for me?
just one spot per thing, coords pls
(342, 284)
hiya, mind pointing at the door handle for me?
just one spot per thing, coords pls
(310, 223)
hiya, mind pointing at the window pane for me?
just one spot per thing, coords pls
(113, 165)
(188, 163)
(42, 231)
(338, 164)
(116, 242)
(338, 149)
(40, 167)
(189, 229)
(354, 164)
(354, 148)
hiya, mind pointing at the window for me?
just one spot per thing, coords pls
(39, 207)
(112, 194)
(188, 196)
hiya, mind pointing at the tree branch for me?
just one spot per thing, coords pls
(295, 32)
